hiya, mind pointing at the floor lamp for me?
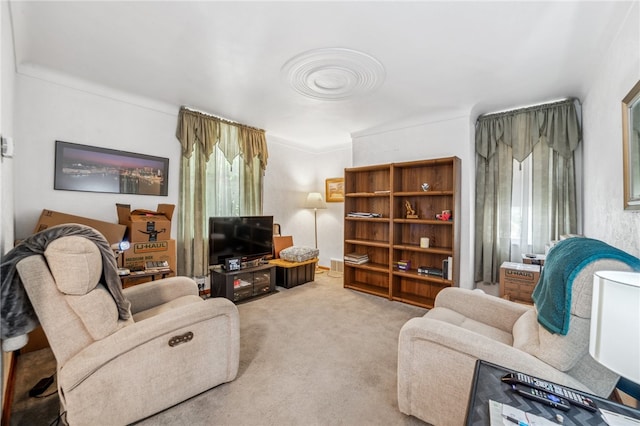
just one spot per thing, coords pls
(315, 202)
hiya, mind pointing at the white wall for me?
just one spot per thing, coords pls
(7, 90)
(52, 107)
(604, 216)
(331, 164)
(291, 174)
(90, 115)
(441, 137)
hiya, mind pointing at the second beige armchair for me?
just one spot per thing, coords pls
(437, 353)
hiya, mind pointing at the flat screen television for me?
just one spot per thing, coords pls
(246, 237)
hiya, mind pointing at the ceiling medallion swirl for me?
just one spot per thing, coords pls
(333, 73)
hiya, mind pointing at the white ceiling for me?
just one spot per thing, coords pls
(225, 58)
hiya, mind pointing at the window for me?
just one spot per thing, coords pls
(526, 186)
(221, 174)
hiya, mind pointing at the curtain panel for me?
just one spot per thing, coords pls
(200, 135)
(548, 133)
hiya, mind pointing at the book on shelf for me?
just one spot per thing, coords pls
(428, 270)
(156, 270)
(156, 266)
(363, 214)
(356, 258)
(404, 264)
(357, 262)
(447, 268)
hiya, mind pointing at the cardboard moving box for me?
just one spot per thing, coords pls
(113, 232)
(517, 280)
(146, 225)
(138, 254)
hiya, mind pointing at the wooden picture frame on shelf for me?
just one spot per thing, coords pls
(334, 190)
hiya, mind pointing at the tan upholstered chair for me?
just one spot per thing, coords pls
(115, 372)
(437, 352)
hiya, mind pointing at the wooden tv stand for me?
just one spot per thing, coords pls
(243, 284)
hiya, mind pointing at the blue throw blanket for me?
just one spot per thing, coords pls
(552, 294)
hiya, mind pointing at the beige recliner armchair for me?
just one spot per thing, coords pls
(113, 371)
(437, 353)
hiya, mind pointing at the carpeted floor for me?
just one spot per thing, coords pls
(316, 354)
(30, 368)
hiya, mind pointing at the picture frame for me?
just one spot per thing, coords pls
(94, 169)
(631, 148)
(334, 190)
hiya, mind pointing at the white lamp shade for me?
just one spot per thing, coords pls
(314, 201)
(615, 322)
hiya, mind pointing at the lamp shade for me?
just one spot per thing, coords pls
(314, 201)
(615, 322)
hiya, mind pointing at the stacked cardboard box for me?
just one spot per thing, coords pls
(149, 233)
(137, 256)
(517, 280)
(146, 225)
(113, 232)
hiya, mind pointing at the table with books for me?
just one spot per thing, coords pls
(493, 401)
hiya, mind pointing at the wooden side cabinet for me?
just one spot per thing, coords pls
(243, 284)
(388, 212)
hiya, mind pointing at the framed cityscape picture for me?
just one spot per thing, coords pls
(93, 169)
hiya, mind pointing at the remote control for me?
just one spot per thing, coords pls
(574, 398)
(541, 396)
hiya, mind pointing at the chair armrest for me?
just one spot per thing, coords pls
(436, 361)
(444, 337)
(133, 336)
(479, 306)
(154, 293)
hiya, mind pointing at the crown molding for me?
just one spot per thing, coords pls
(66, 80)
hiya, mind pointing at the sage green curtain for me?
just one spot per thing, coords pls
(200, 135)
(550, 133)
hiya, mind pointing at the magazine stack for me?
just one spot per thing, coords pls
(356, 258)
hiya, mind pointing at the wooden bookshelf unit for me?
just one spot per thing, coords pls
(380, 196)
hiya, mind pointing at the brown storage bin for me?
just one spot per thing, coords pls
(291, 274)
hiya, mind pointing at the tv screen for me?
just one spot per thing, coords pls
(247, 237)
